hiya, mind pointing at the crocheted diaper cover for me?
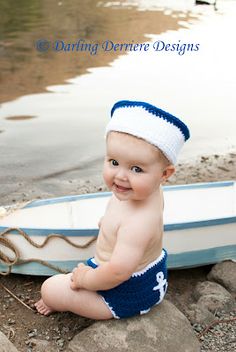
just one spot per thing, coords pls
(140, 292)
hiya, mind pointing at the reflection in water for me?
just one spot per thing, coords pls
(25, 70)
(20, 117)
(151, 5)
(18, 16)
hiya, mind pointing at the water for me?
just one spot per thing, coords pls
(61, 128)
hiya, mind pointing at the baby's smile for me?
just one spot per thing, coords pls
(121, 189)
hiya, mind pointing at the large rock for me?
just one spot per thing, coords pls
(225, 274)
(213, 296)
(215, 302)
(198, 314)
(6, 345)
(163, 329)
(210, 288)
(210, 297)
(40, 345)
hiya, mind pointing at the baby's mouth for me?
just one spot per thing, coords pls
(121, 188)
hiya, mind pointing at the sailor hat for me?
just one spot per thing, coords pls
(150, 123)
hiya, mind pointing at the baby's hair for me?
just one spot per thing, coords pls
(163, 158)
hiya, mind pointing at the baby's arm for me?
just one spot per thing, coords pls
(100, 222)
(128, 252)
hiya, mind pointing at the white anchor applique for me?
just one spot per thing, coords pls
(161, 283)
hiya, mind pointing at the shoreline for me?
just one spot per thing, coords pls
(208, 168)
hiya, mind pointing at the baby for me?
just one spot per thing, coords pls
(128, 274)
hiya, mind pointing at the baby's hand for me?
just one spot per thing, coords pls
(77, 276)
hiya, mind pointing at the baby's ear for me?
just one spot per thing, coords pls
(167, 172)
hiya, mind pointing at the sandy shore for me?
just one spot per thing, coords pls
(206, 168)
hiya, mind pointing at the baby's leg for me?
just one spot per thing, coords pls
(58, 296)
(50, 290)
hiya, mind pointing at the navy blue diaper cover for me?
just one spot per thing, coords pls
(137, 295)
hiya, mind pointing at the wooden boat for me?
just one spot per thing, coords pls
(199, 229)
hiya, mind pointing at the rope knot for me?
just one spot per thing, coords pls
(8, 261)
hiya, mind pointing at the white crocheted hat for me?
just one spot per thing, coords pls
(150, 123)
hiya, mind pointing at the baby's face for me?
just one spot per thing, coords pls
(133, 168)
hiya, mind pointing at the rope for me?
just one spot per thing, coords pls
(6, 242)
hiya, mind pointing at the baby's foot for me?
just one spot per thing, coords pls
(42, 308)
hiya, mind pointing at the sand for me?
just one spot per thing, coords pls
(207, 168)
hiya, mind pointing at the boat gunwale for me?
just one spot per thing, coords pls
(94, 231)
(73, 198)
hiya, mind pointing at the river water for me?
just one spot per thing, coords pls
(55, 103)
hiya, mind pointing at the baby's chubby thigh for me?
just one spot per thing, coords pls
(56, 292)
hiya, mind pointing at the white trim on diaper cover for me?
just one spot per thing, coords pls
(140, 273)
(110, 308)
(150, 265)
(144, 270)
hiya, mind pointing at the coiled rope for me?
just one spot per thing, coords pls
(9, 262)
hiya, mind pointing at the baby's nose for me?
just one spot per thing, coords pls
(121, 174)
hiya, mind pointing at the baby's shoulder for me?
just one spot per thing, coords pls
(149, 212)
(144, 219)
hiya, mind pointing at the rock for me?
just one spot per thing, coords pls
(199, 314)
(225, 274)
(216, 302)
(163, 329)
(213, 296)
(6, 345)
(41, 345)
(207, 288)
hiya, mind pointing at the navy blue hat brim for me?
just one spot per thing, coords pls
(155, 111)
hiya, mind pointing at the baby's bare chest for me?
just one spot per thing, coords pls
(113, 219)
(109, 228)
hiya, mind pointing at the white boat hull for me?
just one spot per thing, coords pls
(199, 228)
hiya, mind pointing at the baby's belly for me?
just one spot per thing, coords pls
(104, 248)
(103, 254)
(148, 258)
(102, 257)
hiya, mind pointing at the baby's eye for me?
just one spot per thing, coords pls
(136, 169)
(114, 162)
